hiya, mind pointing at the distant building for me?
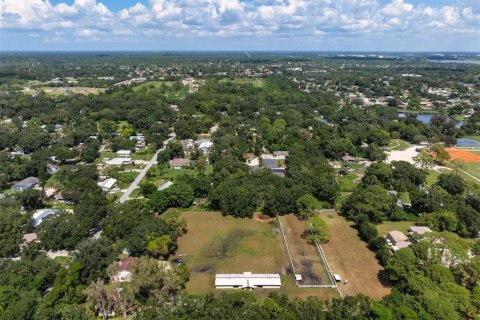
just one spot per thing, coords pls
(179, 163)
(247, 280)
(107, 184)
(39, 215)
(25, 184)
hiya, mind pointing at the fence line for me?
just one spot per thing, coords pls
(286, 245)
(322, 255)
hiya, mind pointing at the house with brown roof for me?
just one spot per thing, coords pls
(179, 163)
(123, 270)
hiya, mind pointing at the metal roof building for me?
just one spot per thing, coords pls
(247, 280)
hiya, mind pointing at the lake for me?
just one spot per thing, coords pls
(426, 118)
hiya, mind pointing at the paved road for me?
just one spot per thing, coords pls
(126, 195)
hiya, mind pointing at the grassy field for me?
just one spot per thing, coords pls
(257, 83)
(217, 244)
(477, 138)
(349, 257)
(167, 89)
(398, 144)
(152, 85)
(388, 226)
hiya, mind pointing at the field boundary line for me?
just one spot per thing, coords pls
(286, 245)
(323, 257)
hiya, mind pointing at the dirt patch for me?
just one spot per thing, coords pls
(257, 216)
(306, 259)
(350, 257)
(464, 155)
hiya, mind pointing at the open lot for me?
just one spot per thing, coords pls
(258, 83)
(306, 260)
(349, 257)
(218, 244)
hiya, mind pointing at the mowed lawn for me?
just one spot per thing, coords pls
(349, 257)
(388, 226)
(218, 244)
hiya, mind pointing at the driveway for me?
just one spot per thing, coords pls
(126, 195)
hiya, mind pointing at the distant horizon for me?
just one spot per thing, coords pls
(253, 51)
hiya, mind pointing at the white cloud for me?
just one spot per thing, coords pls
(91, 19)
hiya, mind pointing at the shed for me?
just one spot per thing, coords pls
(247, 280)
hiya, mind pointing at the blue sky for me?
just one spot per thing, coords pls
(354, 25)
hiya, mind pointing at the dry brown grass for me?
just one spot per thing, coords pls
(350, 257)
(306, 259)
(258, 248)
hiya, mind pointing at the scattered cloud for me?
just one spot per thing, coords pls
(85, 20)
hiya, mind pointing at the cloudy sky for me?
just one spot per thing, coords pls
(388, 25)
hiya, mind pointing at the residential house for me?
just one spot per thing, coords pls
(205, 146)
(123, 270)
(124, 153)
(348, 158)
(39, 215)
(397, 240)
(118, 161)
(247, 280)
(179, 163)
(60, 199)
(107, 184)
(52, 168)
(273, 165)
(280, 155)
(25, 184)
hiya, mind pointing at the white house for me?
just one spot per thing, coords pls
(118, 161)
(39, 215)
(124, 153)
(107, 184)
(247, 280)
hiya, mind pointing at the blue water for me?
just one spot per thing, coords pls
(425, 118)
(464, 142)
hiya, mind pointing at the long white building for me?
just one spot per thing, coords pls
(247, 280)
